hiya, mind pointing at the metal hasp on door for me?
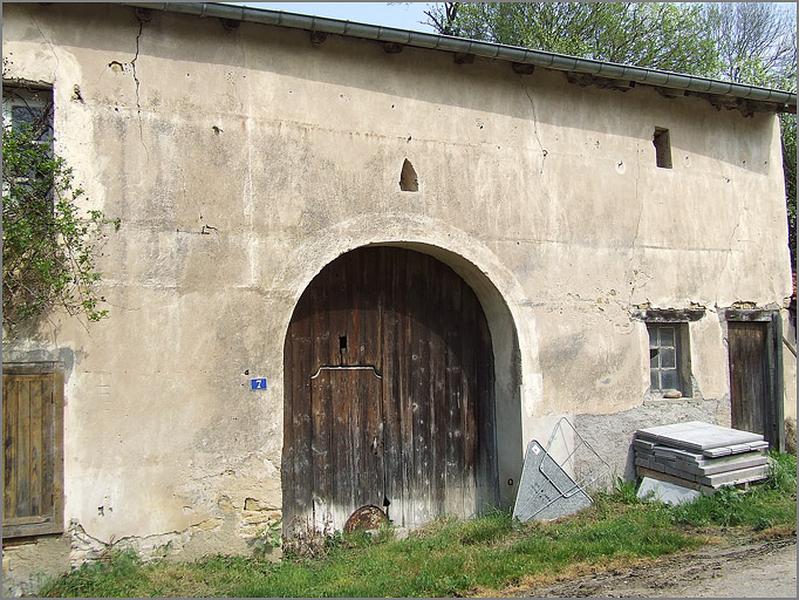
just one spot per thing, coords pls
(754, 340)
(388, 372)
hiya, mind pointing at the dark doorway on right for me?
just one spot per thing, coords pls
(755, 361)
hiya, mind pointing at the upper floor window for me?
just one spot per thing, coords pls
(25, 108)
(29, 113)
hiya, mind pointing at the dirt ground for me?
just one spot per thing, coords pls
(747, 569)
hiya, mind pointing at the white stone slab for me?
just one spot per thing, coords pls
(697, 436)
(736, 449)
(643, 444)
(711, 468)
(663, 491)
(735, 477)
(699, 463)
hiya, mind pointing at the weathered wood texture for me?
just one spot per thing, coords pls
(389, 394)
(753, 408)
(32, 440)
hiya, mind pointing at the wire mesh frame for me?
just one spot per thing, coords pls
(579, 486)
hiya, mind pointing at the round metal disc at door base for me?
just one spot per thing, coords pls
(366, 518)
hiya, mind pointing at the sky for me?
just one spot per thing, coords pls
(404, 15)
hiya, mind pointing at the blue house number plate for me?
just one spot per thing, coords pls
(258, 383)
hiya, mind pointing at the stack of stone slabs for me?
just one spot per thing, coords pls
(700, 456)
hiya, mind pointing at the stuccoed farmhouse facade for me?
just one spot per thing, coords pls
(359, 266)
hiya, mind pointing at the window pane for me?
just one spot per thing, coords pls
(22, 115)
(32, 116)
(668, 359)
(653, 337)
(654, 360)
(668, 379)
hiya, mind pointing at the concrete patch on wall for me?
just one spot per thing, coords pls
(611, 435)
(33, 351)
(28, 564)
(236, 532)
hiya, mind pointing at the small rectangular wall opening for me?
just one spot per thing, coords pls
(662, 148)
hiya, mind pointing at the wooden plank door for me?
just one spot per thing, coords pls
(347, 445)
(438, 396)
(32, 495)
(750, 381)
(389, 394)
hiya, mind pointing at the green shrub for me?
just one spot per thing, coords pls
(625, 491)
(114, 575)
(763, 505)
(782, 472)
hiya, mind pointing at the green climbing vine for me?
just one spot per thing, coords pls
(50, 244)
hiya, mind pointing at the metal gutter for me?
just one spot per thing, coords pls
(785, 101)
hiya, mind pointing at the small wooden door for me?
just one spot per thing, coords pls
(388, 394)
(32, 444)
(754, 402)
(347, 443)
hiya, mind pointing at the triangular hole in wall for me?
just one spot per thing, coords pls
(409, 181)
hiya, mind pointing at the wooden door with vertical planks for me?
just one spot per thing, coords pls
(751, 379)
(32, 448)
(346, 447)
(389, 394)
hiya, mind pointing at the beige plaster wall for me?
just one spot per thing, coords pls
(241, 162)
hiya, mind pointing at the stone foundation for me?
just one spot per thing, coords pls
(28, 563)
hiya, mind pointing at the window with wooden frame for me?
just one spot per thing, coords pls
(33, 408)
(32, 109)
(29, 109)
(669, 358)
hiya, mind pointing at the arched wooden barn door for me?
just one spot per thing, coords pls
(388, 394)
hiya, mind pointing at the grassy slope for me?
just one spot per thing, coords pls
(457, 557)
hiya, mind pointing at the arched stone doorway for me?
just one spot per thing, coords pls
(389, 394)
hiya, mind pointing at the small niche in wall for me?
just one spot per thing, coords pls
(662, 148)
(409, 181)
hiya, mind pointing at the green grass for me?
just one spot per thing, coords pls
(769, 505)
(452, 557)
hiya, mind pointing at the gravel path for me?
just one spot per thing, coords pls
(771, 575)
(765, 569)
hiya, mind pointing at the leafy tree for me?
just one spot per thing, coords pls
(49, 244)
(756, 43)
(743, 42)
(663, 36)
